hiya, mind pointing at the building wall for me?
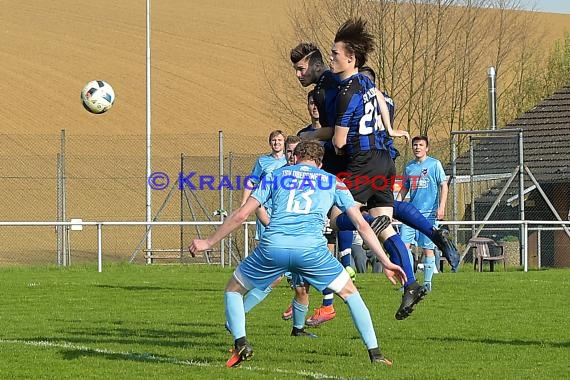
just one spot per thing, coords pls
(561, 201)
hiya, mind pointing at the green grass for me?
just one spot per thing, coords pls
(166, 322)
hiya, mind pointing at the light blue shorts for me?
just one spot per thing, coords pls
(315, 266)
(414, 237)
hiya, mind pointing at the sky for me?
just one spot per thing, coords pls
(554, 6)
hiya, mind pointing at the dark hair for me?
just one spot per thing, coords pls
(310, 94)
(356, 39)
(369, 72)
(420, 138)
(276, 133)
(310, 150)
(306, 49)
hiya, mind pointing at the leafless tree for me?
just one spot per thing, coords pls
(432, 56)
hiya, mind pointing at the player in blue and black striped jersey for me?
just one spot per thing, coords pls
(357, 133)
(310, 69)
(406, 212)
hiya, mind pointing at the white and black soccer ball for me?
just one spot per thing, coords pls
(97, 96)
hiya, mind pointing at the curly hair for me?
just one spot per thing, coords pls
(310, 151)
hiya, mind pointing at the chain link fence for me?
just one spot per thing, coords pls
(103, 178)
(60, 177)
(488, 182)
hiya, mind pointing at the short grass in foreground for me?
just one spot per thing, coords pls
(166, 322)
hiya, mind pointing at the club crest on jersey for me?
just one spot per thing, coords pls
(424, 171)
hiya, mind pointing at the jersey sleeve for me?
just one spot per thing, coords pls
(263, 192)
(440, 173)
(407, 182)
(342, 197)
(346, 103)
(256, 172)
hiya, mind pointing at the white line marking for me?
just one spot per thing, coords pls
(161, 359)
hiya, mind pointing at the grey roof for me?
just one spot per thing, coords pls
(546, 133)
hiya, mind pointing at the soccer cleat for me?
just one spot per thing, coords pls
(442, 240)
(378, 225)
(321, 315)
(413, 294)
(377, 357)
(239, 354)
(288, 314)
(302, 332)
(427, 286)
(351, 272)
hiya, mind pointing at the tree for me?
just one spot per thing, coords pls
(432, 56)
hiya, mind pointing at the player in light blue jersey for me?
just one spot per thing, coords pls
(263, 165)
(426, 183)
(301, 197)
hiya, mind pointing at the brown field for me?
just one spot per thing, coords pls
(207, 59)
(207, 75)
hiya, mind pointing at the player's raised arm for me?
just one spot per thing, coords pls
(230, 224)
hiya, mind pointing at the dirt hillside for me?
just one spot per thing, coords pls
(207, 59)
(206, 64)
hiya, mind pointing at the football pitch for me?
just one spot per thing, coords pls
(167, 322)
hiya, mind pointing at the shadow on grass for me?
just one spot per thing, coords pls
(156, 288)
(82, 352)
(510, 342)
(194, 335)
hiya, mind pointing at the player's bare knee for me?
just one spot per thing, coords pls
(235, 286)
(348, 290)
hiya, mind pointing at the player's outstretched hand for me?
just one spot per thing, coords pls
(198, 245)
(395, 274)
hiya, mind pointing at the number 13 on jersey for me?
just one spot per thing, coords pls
(300, 201)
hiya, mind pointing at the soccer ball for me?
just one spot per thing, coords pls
(97, 96)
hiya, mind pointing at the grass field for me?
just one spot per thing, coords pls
(166, 322)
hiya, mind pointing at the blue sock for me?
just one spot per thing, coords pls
(235, 314)
(345, 257)
(328, 297)
(429, 266)
(299, 314)
(398, 253)
(410, 256)
(343, 222)
(345, 239)
(362, 321)
(408, 214)
(255, 296)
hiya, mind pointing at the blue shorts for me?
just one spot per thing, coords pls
(414, 237)
(315, 265)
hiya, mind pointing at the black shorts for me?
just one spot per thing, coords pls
(370, 178)
(333, 163)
